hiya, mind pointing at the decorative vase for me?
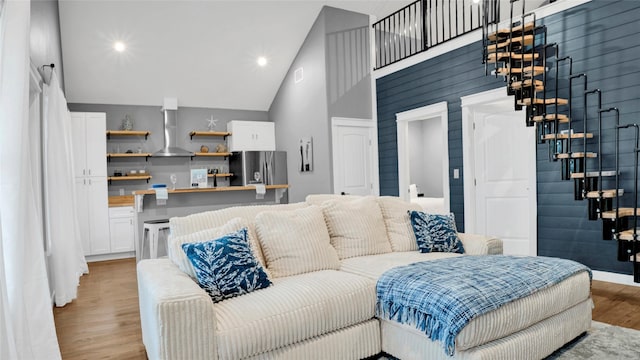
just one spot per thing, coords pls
(220, 148)
(127, 123)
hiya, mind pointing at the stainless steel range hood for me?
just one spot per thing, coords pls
(170, 113)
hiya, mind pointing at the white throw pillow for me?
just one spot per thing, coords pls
(395, 212)
(177, 255)
(295, 242)
(356, 227)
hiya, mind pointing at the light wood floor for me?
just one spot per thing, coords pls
(104, 322)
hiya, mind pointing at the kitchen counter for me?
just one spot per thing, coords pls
(211, 189)
(187, 201)
(120, 201)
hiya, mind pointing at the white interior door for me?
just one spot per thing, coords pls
(353, 153)
(504, 150)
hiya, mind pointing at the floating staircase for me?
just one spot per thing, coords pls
(521, 54)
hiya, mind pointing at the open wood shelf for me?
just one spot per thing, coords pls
(129, 155)
(129, 178)
(223, 134)
(127, 133)
(211, 154)
(220, 175)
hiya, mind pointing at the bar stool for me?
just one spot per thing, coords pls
(152, 229)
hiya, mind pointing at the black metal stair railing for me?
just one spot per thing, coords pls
(524, 42)
(424, 24)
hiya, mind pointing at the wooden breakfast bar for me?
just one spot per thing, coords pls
(186, 201)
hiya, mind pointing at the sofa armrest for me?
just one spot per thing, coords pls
(177, 316)
(475, 244)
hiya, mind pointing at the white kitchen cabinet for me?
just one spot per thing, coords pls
(89, 143)
(122, 229)
(92, 198)
(251, 135)
(93, 214)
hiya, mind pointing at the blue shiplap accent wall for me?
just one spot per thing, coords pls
(603, 39)
(444, 78)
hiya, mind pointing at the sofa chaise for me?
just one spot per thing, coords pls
(323, 258)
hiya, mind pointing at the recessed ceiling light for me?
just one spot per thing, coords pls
(262, 61)
(119, 46)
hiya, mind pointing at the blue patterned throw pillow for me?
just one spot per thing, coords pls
(436, 233)
(225, 267)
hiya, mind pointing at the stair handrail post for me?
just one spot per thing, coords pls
(600, 112)
(586, 94)
(485, 35)
(617, 174)
(571, 78)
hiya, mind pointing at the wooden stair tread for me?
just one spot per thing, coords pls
(627, 235)
(493, 57)
(516, 29)
(537, 101)
(606, 194)
(622, 212)
(576, 155)
(537, 84)
(580, 175)
(566, 136)
(562, 118)
(533, 70)
(521, 40)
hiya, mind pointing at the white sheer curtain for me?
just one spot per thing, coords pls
(27, 327)
(63, 231)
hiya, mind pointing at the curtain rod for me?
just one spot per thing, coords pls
(52, 66)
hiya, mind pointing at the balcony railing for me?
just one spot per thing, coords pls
(424, 24)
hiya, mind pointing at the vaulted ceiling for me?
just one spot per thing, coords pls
(202, 52)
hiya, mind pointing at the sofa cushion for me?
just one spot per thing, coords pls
(293, 309)
(398, 223)
(295, 242)
(185, 225)
(225, 267)
(177, 255)
(436, 233)
(510, 318)
(372, 266)
(356, 227)
(318, 199)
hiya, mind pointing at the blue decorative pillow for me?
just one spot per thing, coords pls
(436, 233)
(225, 267)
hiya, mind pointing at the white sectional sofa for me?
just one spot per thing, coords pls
(327, 311)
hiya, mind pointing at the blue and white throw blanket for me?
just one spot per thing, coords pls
(440, 297)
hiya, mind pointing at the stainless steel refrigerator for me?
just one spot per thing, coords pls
(258, 167)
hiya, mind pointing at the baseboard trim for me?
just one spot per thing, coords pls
(614, 278)
(104, 257)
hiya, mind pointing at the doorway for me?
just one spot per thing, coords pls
(499, 156)
(423, 156)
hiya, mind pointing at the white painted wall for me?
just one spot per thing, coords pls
(425, 156)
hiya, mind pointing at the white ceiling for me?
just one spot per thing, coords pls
(202, 52)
